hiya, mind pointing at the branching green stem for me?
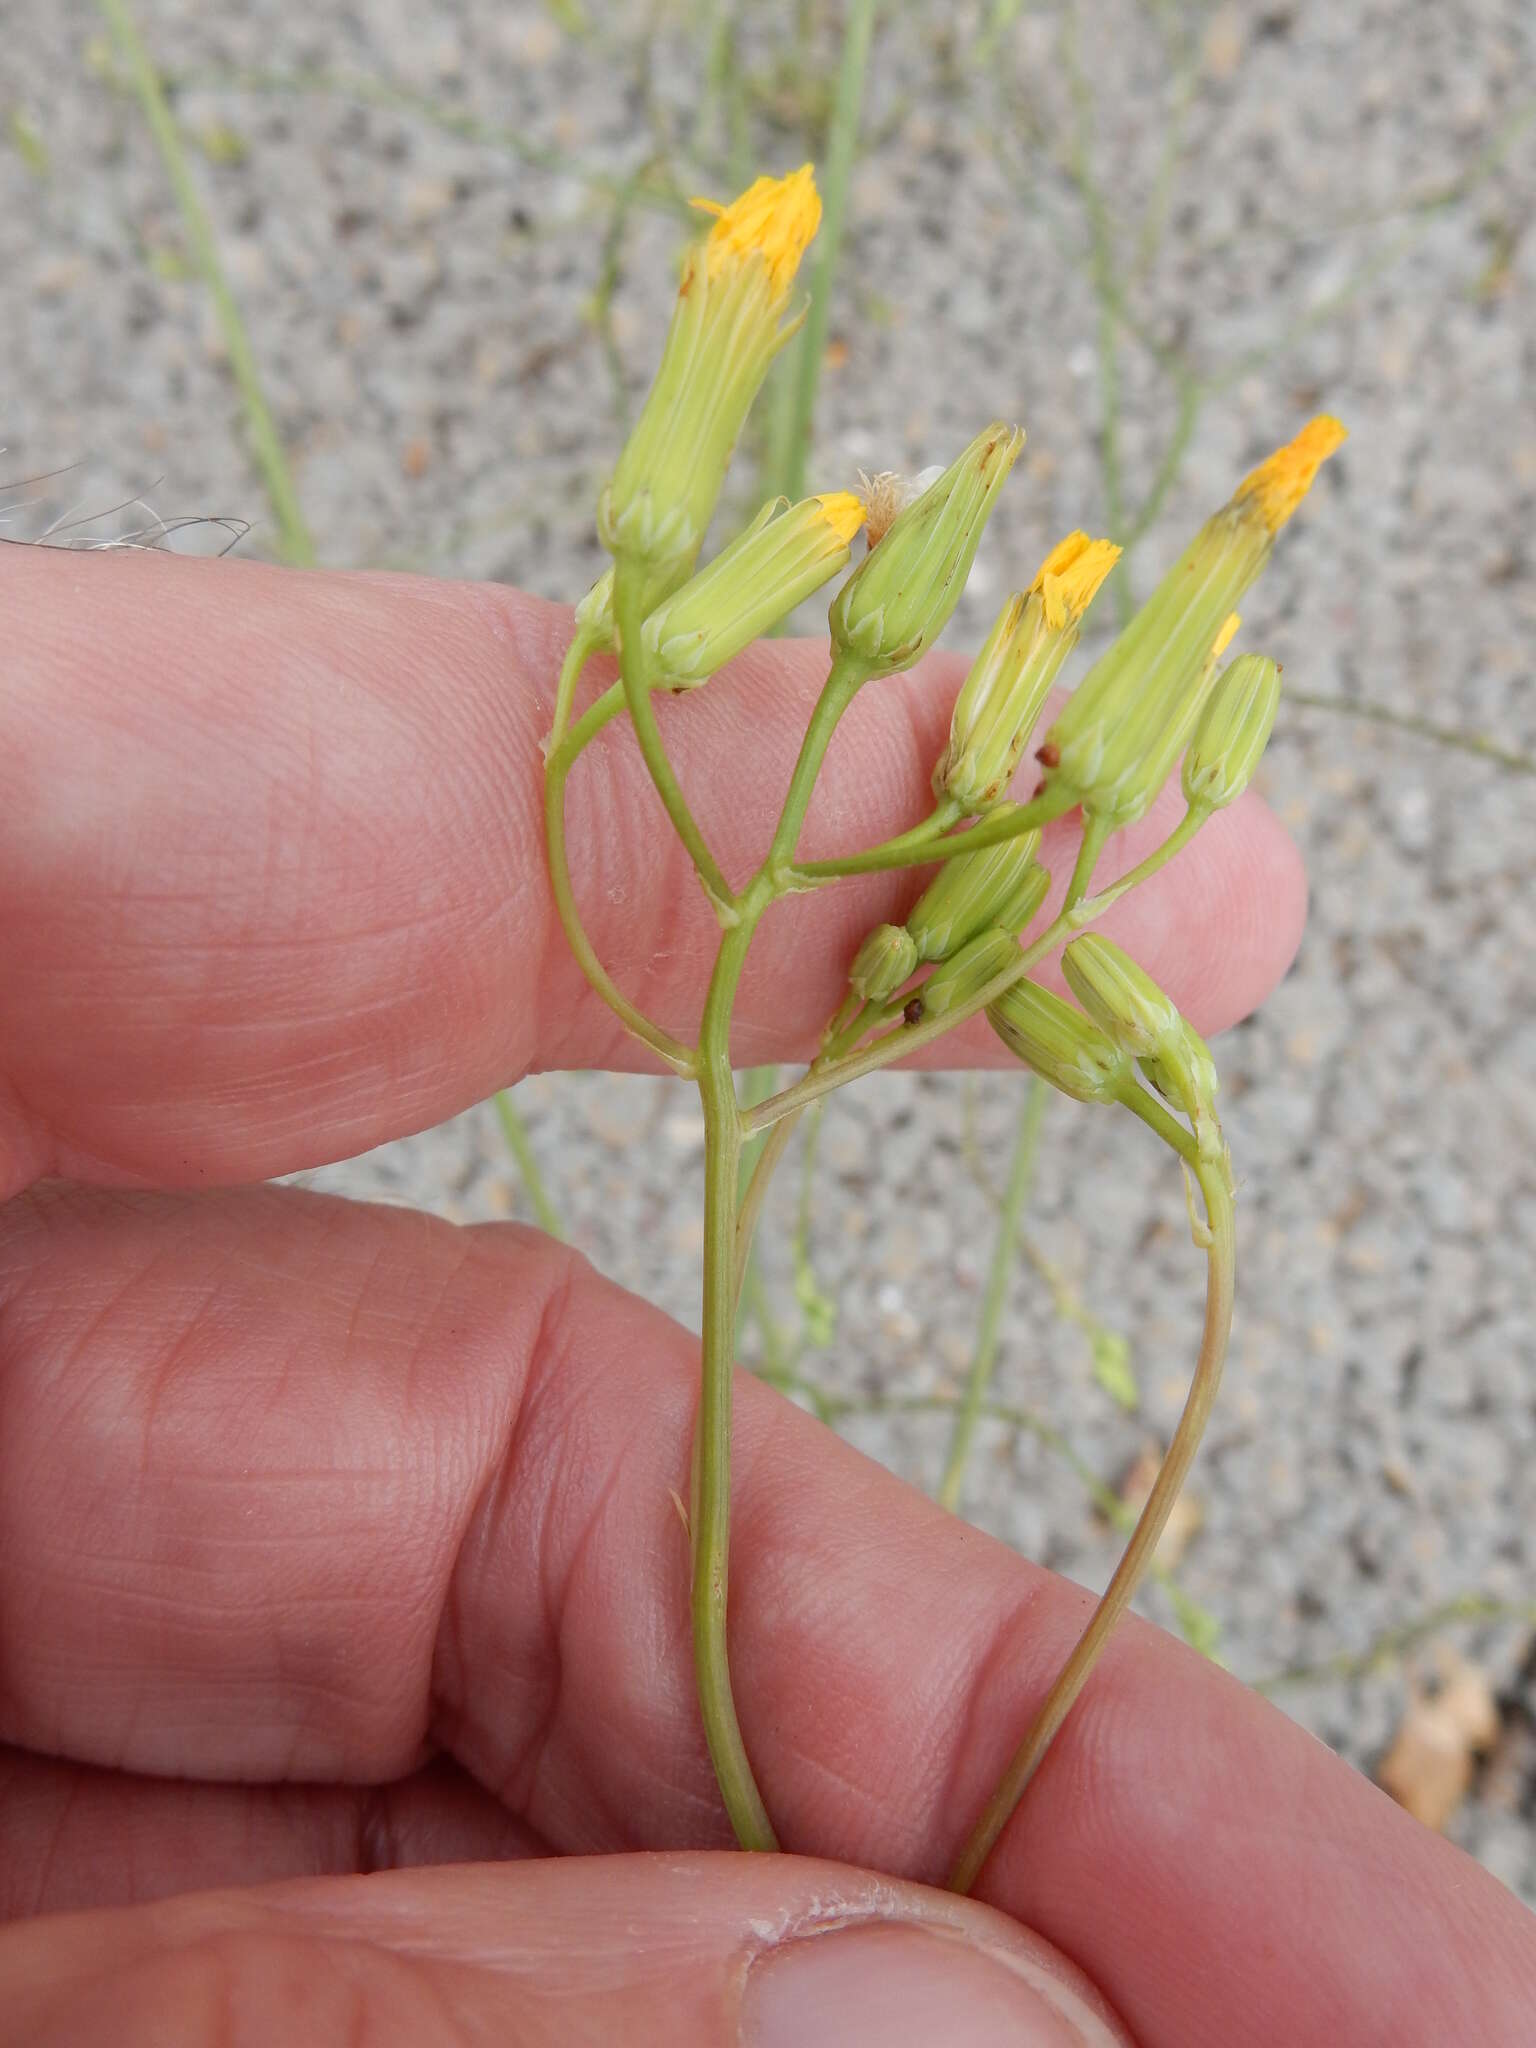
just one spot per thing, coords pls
(794, 418)
(679, 1057)
(628, 616)
(923, 845)
(583, 646)
(1096, 831)
(1150, 1523)
(725, 1252)
(910, 1038)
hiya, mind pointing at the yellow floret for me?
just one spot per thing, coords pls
(774, 218)
(1224, 636)
(1070, 575)
(843, 512)
(1280, 483)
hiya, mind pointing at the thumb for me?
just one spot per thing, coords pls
(705, 1951)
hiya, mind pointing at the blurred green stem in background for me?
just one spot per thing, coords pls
(794, 397)
(515, 1131)
(1004, 1251)
(294, 542)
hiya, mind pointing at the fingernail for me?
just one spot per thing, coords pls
(895, 1984)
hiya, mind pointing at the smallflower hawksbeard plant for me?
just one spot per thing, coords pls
(1162, 690)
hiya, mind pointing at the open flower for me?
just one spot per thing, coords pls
(726, 329)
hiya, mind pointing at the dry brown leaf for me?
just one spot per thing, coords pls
(1429, 1766)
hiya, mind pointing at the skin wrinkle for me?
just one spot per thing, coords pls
(522, 1450)
(57, 1816)
(447, 1706)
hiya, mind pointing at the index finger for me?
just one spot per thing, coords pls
(272, 875)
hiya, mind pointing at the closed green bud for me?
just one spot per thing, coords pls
(1062, 1045)
(900, 597)
(1184, 1071)
(787, 552)
(1000, 885)
(1233, 732)
(1010, 679)
(1121, 997)
(1145, 1023)
(1185, 1074)
(882, 963)
(966, 973)
(1115, 743)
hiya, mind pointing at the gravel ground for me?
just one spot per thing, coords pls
(1343, 211)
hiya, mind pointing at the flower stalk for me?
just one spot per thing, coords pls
(674, 624)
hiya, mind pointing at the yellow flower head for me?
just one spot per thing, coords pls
(774, 218)
(787, 552)
(727, 326)
(1280, 482)
(1115, 743)
(1070, 575)
(1008, 683)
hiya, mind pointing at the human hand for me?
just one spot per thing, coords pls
(334, 1540)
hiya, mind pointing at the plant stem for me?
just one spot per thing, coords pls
(725, 1252)
(979, 1379)
(1095, 906)
(757, 1084)
(711, 1520)
(577, 655)
(1096, 831)
(910, 1038)
(515, 1131)
(1421, 728)
(294, 541)
(794, 422)
(1139, 1550)
(628, 619)
(679, 1057)
(769, 1151)
(922, 846)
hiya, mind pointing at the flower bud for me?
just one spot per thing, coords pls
(725, 332)
(1185, 1074)
(882, 963)
(899, 598)
(1144, 1022)
(966, 973)
(1010, 679)
(1120, 997)
(1060, 1043)
(1233, 732)
(787, 552)
(594, 615)
(1001, 885)
(1115, 743)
